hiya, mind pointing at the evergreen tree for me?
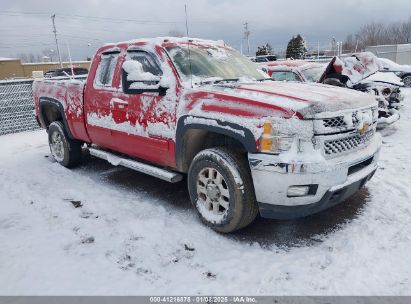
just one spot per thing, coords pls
(296, 48)
(265, 49)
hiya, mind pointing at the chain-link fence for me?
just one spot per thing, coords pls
(16, 106)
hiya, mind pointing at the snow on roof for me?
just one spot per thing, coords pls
(385, 45)
(292, 64)
(161, 40)
(8, 59)
(289, 63)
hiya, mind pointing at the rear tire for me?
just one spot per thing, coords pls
(221, 189)
(65, 151)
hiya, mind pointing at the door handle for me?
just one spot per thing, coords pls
(118, 101)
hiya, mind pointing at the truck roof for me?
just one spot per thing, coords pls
(167, 41)
(291, 64)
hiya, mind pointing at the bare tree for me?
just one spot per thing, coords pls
(379, 33)
(349, 43)
(372, 34)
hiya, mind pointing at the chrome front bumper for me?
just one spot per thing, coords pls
(272, 179)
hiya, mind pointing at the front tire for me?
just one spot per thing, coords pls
(221, 189)
(407, 81)
(64, 150)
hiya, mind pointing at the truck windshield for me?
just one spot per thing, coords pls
(213, 64)
(313, 74)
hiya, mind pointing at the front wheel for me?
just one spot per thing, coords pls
(64, 150)
(221, 189)
(407, 81)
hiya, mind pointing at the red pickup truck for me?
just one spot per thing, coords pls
(171, 107)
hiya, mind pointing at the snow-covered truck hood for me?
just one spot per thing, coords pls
(306, 98)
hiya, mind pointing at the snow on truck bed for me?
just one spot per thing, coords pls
(100, 229)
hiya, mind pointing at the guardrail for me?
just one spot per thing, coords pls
(16, 106)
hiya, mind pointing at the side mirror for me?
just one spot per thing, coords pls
(334, 82)
(136, 81)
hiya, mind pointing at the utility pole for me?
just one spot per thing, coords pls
(247, 36)
(55, 37)
(333, 45)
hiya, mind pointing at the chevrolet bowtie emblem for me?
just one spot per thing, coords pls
(364, 129)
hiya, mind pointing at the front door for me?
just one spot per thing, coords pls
(150, 116)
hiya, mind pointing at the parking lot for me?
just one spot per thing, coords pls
(100, 229)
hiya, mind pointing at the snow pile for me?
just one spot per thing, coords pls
(135, 72)
(393, 66)
(388, 77)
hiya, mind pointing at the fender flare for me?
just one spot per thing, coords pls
(237, 132)
(46, 101)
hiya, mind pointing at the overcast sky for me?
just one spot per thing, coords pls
(26, 24)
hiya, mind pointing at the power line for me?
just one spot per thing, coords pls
(91, 18)
(104, 19)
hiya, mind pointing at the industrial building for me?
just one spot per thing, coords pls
(13, 68)
(399, 53)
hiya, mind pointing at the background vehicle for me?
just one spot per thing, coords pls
(402, 71)
(295, 70)
(265, 58)
(246, 143)
(384, 86)
(362, 72)
(66, 71)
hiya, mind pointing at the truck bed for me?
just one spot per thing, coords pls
(68, 95)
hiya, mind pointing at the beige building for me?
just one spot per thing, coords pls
(12, 68)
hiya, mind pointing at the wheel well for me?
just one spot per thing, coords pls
(196, 140)
(50, 113)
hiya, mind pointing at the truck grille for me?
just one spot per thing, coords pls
(338, 123)
(334, 122)
(346, 144)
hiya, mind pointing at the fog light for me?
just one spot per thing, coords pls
(294, 191)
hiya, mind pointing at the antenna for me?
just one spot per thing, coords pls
(188, 43)
(71, 63)
(55, 37)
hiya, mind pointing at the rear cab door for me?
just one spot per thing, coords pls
(98, 99)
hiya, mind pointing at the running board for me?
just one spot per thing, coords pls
(115, 160)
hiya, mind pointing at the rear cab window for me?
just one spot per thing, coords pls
(284, 76)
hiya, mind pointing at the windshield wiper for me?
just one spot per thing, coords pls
(226, 80)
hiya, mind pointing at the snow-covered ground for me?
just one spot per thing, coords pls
(134, 234)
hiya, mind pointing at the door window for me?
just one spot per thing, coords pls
(148, 62)
(105, 70)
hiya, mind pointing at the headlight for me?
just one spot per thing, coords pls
(272, 141)
(398, 73)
